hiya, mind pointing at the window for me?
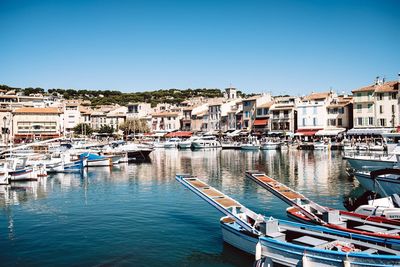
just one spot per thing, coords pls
(265, 111)
(371, 121)
(341, 110)
(332, 122)
(339, 122)
(304, 121)
(314, 121)
(259, 112)
(380, 96)
(246, 103)
(247, 114)
(382, 122)
(286, 113)
(393, 95)
(381, 109)
(315, 110)
(359, 121)
(359, 107)
(392, 109)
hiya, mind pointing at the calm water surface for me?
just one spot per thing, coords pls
(138, 215)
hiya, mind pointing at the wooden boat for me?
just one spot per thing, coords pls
(284, 242)
(307, 211)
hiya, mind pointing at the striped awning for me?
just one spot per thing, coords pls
(330, 132)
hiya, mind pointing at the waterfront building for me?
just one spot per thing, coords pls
(71, 115)
(166, 121)
(116, 117)
(249, 109)
(261, 123)
(312, 113)
(98, 119)
(375, 108)
(234, 117)
(283, 115)
(138, 110)
(190, 118)
(36, 123)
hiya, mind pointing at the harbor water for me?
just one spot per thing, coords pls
(139, 215)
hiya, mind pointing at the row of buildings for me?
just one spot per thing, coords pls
(369, 110)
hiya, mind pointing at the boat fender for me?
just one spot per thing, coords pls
(305, 261)
(258, 251)
(346, 262)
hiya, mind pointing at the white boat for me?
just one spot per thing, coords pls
(321, 146)
(230, 145)
(135, 151)
(172, 142)
(374, 161)
(271, 145)
(185, 144)
(251, 144)
(388, 207)
(206, 142)
(386, 182)
(289, 243)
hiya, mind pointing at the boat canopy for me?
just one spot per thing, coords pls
(369, 131)
(234, 133)
(330, 132)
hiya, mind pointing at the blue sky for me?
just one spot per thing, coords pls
(286, 47)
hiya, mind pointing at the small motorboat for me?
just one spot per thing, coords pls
(271, 145)
(289, 243)
(206, 142)
(94, 160)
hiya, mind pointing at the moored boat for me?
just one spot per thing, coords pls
(386, 182)
(206, 142)
(305, 210)
(271, 145)
(284, 242)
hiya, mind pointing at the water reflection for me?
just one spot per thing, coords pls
(139, 208)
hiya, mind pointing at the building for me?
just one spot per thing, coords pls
(98, 119)
(249, 109)
(166, 121)
(375, 107)
(138, 110)
(312, 113)
(116, 117)
(283, 118)
(340, 113)
(36, 123)
(72, 115)
(261, 124)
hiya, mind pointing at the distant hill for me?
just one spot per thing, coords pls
(104, 97)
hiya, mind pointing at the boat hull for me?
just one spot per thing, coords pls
(199, 145)
(370, 164)
(297, 255)
(270, 147)
(250, 147)
(386, 187)
(138, 154)
(238, 239)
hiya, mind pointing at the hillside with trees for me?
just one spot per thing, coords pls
(105, 97)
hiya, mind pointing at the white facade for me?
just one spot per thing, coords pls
(166, 121)
(312, 111)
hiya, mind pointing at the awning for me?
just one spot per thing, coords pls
(306, 132)
(179, 134)
(369, 131)
(330, 132)
(260, 122)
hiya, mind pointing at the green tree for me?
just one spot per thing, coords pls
(83, 129)
(134, 126)
(106, 129)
